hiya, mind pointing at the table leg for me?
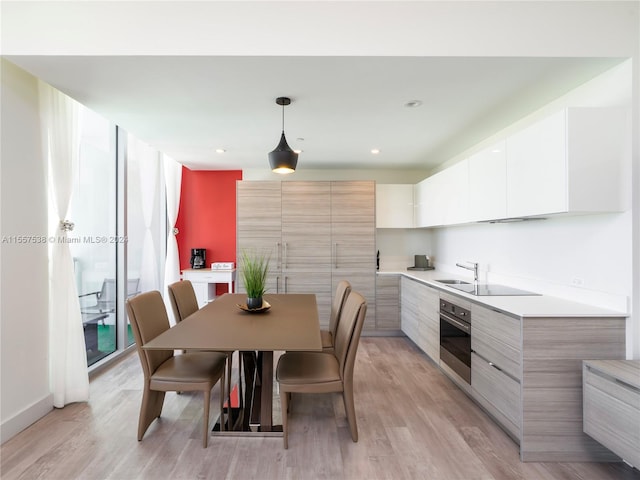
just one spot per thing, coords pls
(266, 413)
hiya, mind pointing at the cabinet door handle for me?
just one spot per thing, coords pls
(335, 254)
(286, 258)
(278, 284)
(286, 284)
(278, 256)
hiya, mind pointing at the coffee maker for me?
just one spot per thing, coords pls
(197, 258)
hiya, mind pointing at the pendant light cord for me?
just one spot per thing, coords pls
(282, 118)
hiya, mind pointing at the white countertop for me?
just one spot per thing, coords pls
(521, 306)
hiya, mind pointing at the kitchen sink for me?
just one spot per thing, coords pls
(453, 282)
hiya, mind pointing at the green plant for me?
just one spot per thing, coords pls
(254, 273)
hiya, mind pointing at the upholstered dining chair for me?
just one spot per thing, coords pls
(183, 299)
(184, 303)
(325, 372)
(327, 336)
(166, 372)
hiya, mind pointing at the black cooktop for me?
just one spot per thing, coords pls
(488, 290)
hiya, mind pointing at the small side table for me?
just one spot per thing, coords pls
(204, 282)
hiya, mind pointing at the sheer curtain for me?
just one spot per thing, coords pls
(173, 179)
(69, 376)
(149, 171)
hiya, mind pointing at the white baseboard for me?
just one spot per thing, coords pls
(31, 414)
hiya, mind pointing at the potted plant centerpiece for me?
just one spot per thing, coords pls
(254, 275)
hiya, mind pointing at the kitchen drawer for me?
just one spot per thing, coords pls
(502, 355)
(611, 414)
(500, 326)
(498, 389)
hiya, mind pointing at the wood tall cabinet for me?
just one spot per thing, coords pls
(353, 236)
(317, 233)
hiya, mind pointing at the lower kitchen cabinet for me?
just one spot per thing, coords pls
(419, 315)
(495, 365)
(526, 372)
(611, 413)
(387, 303)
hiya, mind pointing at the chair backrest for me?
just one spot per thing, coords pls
(148, 318)
(183, 299)
(340, 296)
(348, 333)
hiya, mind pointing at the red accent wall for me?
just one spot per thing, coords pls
(207, 216)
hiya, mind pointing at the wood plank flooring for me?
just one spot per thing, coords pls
(413, 424)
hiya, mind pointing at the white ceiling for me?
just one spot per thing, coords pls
(188, 106)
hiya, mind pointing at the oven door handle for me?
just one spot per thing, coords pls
(455, 323)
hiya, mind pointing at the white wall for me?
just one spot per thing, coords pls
(24, 353)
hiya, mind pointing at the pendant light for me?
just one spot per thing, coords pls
(283, 159)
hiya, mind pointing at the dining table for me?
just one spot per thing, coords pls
(287, 322)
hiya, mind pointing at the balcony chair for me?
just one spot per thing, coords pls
(105, 299)
(166, 372)
(324, 372)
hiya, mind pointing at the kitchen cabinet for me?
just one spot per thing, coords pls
(420, 317)
(388, 303)
(317, 234)
(570, 161)
(611, 413)
(430, 196)
(394, 205)
(305, 250)
(495, 365)
(353, 237)
(409, 308)
(526, 371)
(488, 183)
(455, 189)
(442, 199)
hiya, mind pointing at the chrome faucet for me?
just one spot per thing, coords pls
(469, 267)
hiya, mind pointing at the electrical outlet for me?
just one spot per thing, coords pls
(577, 282)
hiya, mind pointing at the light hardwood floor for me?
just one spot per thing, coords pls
(413, 424)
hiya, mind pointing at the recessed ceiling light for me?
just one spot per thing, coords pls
(413, 103)
(220, 150)
(375, 151)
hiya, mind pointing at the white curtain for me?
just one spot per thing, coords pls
(173, 179)
(148, 169)
(69, 375)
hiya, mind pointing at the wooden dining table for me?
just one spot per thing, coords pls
(291, 323)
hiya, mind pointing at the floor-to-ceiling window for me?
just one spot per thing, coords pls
(118, 244)
(94, 242)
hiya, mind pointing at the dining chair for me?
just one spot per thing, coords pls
(184, 303)
(166, 372)
(327, 336)
(183, 299)
(325, 372)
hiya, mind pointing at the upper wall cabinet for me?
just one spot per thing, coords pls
(488, 183)
(443, 198)
(569, 162)
(394, 205)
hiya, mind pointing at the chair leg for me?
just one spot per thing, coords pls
(222, 399)
(284, 405)
(205, 433)
(349, 407)
(150, 409)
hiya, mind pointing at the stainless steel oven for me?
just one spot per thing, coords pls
(455, 339)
